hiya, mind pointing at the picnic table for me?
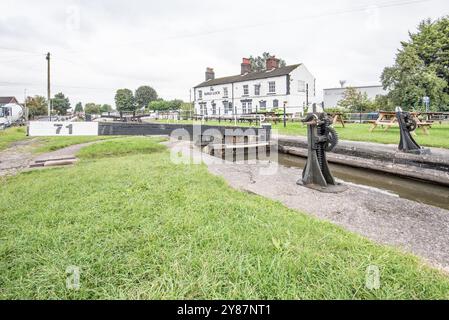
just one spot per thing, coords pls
(337, 117)
(388, 119)
(435, 116)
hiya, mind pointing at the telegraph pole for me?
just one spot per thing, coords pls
(48, 85)
(285, 119)
(191, 107)
(307, 95)
(25, 104)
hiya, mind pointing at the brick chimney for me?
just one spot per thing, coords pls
(272, 63)
(245, 66)
(210, 74)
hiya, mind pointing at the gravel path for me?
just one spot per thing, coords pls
(417, 228)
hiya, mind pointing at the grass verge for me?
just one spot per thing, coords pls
(11, 135)
(141, 227)
(122, 147)
(438, 137)
(48, 144)
(43, 144)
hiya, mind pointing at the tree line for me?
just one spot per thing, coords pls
(60, 104)
(144, 98)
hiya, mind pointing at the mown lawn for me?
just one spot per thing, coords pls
(139, 227)
(438, 137)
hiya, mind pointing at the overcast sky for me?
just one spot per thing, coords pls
(100, 46)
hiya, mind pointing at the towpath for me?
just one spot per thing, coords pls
(385, 218)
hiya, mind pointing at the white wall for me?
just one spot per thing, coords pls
(296, 100)
(334, 95)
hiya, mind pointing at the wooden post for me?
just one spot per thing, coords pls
(48, 85)
(285, 120)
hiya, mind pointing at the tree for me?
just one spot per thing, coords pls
(382, 103)
(159, 105)
(60, 104)
(187, 110)
(37, 106)
(106, 108)
(421, 68)
(259, 63)
(92, 108)
(355, 101)
(79, 107)
(124, 100)
(175, 104)
(144, 95)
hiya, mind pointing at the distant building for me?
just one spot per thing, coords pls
(332, 96)
(251, 91)
(6, 100)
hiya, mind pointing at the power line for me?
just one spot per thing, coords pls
(21, 58)
(387, 4)
(355, 9)
(20, 50)
(283, 21)
(14, 84)
(360, 8)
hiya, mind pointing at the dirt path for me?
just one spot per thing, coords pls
(17, 157)
(385, 218)
(20, 156)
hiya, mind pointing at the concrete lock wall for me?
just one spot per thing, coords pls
(194, 132)
(378, 157)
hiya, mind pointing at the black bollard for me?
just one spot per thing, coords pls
(321, 138)
(407, 125)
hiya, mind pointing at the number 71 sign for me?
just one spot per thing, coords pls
(59, 127)
(48, 128)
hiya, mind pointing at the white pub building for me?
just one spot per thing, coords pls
(251, 92)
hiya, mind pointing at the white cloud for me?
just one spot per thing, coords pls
(98, 47)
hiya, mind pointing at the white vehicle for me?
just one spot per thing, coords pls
(10, 114)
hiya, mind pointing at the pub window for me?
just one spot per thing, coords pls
(225, 92)
(200, 94)
(204, 109)
(244, 107)
(301, 86)
(275, 103)
(263, 105)
(225, 107)
(214, 109)
(211, 89)
(249, 107)
(257, 89)
(245, 89)
(272, 87)
(230, 109)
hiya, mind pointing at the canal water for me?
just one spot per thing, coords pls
(407, 188)
(416, 190)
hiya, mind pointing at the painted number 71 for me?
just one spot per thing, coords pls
(59, 127)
